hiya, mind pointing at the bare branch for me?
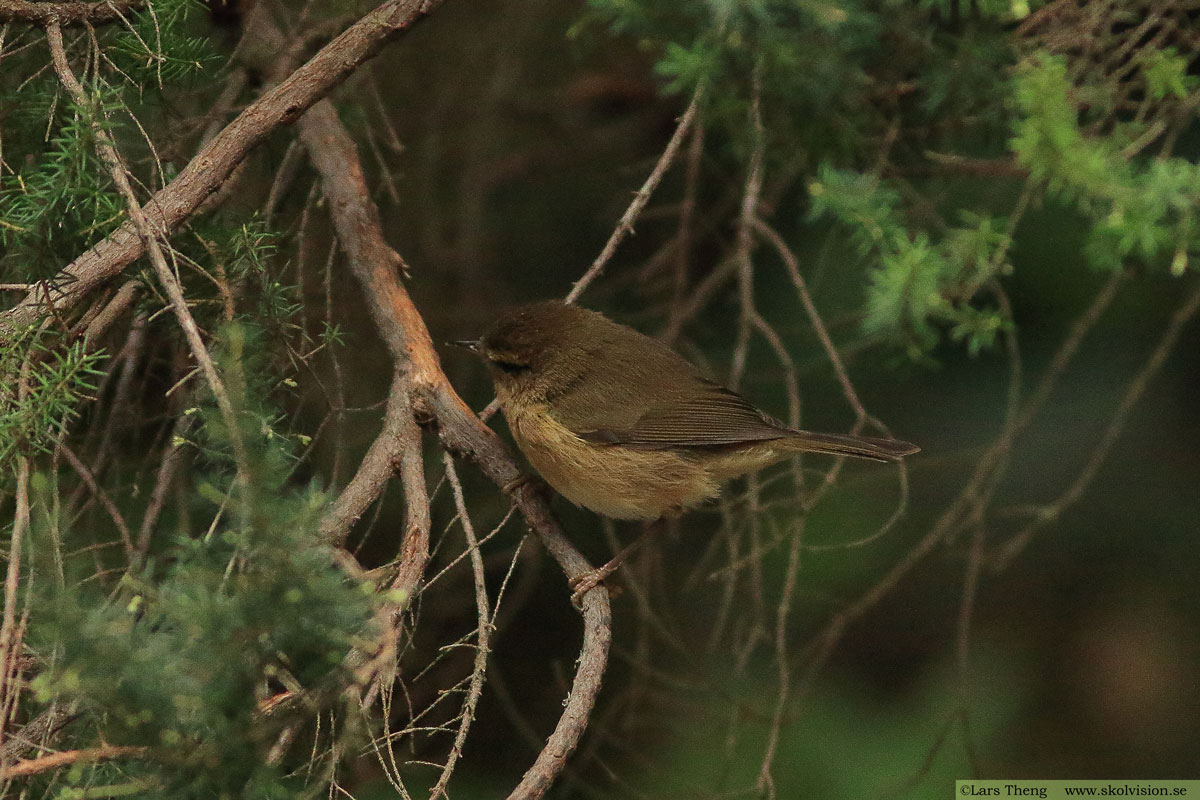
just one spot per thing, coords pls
(10, 633)
(970, 499)
(58, 760)
(745, 239)
(66, 13)
(814, 318)
(205, 173)
(482, 636)
(593, 654)
(112, 311)
(398, 447)
(687, 213)
(372, 260)
(625, 225)
(173, 454)
(149, 240)
(766, 779)
(98, 492)
(374, 471)
(403, 331)
(1133, 392)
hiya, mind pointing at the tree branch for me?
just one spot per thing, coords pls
(66, 13)
(10, 630)
(625, 225)
(1133, 393)
(58, 760)
(482, 637)
(969, 502)
(148, 237)
(110, 508)
(376, 266)
(35, 732)
(214, 163)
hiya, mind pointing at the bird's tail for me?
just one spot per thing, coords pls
(845, 445)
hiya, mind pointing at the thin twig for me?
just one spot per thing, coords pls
(149, 238)
(10, 635)
(687, 213)
(962, 631)
(101, 495)
(766, 780)
(482, 636)
(625, 225)
(969, 498)
(792, 264)
(1133, 393)
(173, 454)
(742, 257)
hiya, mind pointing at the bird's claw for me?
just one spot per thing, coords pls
(523, 480)
(584, 583)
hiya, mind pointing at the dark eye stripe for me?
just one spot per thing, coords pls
(510, 367)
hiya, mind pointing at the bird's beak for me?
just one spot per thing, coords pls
(469, 344)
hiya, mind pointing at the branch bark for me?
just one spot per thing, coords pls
(66, 13)
(376, 265)
(59, 760)
(213, 164)
(148, 238)
(34, 733)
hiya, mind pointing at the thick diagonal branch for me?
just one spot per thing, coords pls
(66, 13)
(205, 173)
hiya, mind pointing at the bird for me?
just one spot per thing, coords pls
(622, 425)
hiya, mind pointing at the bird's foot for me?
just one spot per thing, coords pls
(533, 482)
(584, 583)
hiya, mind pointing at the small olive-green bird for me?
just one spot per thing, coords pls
(620, 424)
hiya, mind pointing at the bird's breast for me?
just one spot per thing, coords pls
(612, 480)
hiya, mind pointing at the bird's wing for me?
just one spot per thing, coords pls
(644, 395)
(715, 416)
(693, 412)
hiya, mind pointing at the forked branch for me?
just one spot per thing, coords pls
(205, 173)
(376, 266)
